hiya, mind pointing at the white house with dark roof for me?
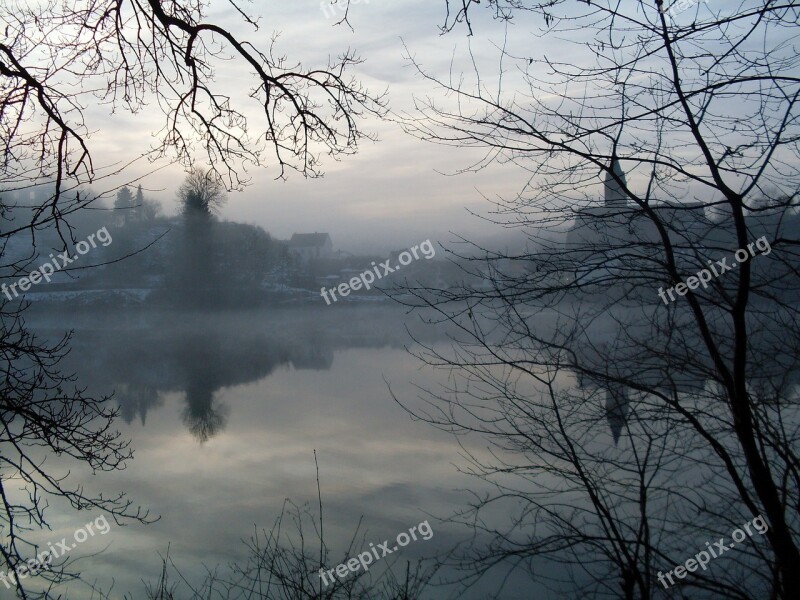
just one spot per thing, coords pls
(308, 246)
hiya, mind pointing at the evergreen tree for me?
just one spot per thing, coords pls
(139, 207)
(124, 203)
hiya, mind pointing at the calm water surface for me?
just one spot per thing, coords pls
(224, 412)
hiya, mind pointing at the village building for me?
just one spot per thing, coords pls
(311, 246)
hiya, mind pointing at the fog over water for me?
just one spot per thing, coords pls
(399, 300)
(224, 411)
(260, 390)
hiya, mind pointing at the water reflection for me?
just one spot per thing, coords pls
(265, 390)
(199, 355)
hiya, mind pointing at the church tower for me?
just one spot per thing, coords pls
(617, 404)
(614, 195)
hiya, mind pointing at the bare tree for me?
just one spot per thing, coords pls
(162, 53)
(700, 390)
(201, 193)
(287, 560)
(284, 562)
(57, 58)
(43, 412)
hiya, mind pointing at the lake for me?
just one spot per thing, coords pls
(225, 411)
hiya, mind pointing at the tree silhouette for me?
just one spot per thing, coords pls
(569, 336)
(202, 193)
(57, 58)
(162, 54)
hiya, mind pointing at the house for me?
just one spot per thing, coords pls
(308, 246)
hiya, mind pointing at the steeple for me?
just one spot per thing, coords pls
(614, 194)
(616, 409)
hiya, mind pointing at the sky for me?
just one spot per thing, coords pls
(398, 191)
(395, 192)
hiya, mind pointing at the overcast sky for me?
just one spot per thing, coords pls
(395, 192)
(392, 193)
